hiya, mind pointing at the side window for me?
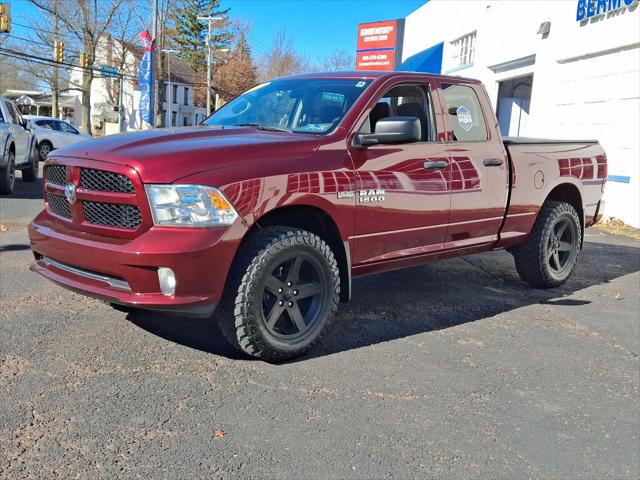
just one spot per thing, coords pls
(404, 101)
(465, 113)
(16, 118)
(47, 124)
(1, 116)
(66, 128)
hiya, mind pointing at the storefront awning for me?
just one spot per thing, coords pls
(426, 61)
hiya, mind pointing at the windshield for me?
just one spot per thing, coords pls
(300, 105)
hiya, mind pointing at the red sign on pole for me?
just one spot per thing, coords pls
(379, 45)
(377, 35)
(376, 60)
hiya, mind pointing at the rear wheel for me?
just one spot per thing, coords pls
(8, 174)
(549, 256)
(283, 293)
(30, 173)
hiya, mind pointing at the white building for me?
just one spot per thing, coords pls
(556, 69)
(105, 91)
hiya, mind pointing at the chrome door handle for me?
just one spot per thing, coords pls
(435, 165)
(493, 162)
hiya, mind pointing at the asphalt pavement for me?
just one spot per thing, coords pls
(451, 370)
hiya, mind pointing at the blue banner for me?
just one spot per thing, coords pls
(145, 79)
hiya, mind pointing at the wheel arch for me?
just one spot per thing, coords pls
(569, 193)
(317, 221)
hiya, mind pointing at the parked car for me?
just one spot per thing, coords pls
(52, 133)
(18, 147)
(267, 210)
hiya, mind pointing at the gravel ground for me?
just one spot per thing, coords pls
(451, 370)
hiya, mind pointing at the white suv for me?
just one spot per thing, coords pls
(17, 147)
(52, 133)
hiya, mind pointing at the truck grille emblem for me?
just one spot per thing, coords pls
(70, 193)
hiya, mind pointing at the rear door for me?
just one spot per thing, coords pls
(402, 199)
(479, 165)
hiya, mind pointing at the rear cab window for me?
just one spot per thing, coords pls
(464, 113)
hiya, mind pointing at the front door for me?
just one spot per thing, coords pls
(402, 195)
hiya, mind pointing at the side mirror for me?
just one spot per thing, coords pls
(392, 130)
(25, 124)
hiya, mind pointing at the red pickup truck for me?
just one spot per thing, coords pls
(270, 207)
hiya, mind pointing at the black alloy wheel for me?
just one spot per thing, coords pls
(293, 294)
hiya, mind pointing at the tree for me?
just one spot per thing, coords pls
(88, 21)
(282, 59)
(189, 35)
(338, 60)
(237, 72)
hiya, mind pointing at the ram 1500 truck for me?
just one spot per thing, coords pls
(267, 210)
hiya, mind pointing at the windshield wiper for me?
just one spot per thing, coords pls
(259, 126)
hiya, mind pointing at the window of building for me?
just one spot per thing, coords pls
(186, 96)
(173, 118)
(465, 113)
(463, 50)
(174, 96)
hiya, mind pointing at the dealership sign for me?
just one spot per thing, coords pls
(379, 45)
(588, 9)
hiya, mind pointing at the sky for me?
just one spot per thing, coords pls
(317, 27)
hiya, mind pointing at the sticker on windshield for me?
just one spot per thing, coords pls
(361, 84)
(464, 118)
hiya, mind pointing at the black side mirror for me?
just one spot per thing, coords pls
(390, 130)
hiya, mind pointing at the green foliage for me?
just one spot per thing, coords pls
(189, 35)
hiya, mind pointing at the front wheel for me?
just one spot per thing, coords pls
(282, 295)
(548, 257)
(8, 175)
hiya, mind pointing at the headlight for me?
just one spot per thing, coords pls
(189, 206)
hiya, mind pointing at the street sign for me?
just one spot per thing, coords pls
(108, 72)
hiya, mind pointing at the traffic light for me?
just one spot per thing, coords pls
(84, 60)
(5, 18)
(58, 50)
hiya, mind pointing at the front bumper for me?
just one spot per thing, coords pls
(124, 271)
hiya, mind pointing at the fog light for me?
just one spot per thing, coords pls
(167, 281)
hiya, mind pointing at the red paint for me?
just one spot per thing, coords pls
(426, 215)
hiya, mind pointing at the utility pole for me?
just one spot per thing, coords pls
(55, 76)
(169, 51)
(209, 20)
(154, 91)
(121, 125)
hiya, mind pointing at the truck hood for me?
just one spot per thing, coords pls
(168, 154)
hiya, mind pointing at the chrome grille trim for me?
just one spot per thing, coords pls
(113, 282)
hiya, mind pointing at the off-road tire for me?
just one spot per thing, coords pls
(532, 258)
(8, 174)
(240, 313)
(30, 173)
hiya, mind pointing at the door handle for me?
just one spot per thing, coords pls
(493, 162)
(435, 165)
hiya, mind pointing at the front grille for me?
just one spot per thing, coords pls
(59, 205)
(56, 174)
(112, 214)
(103, 181)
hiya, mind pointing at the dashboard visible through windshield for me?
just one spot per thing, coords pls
(299, 105)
